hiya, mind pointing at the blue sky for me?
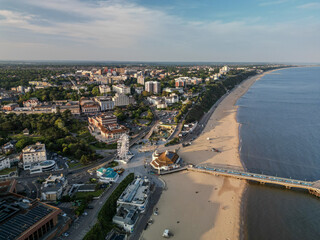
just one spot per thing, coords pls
(160, 30)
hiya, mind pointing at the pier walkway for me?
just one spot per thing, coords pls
(312, 187)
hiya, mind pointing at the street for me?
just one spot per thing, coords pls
(83, 224)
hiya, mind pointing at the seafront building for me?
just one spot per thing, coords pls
(165, 161)
(107, 175)
(136, 194)
(126, 217)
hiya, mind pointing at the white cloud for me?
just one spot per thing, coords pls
(115, 30)
(269, 3)
(312, 5)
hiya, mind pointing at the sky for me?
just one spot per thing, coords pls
(161, 30)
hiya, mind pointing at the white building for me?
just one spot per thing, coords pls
(103, 89)
(105, 103)
(33, 154)
(45, 166)
(224, 70)
(121, 89)
(173, 98)
(159, 102)
(126, 217)
(165, 161)
(4, 162)
(138, 90)
(53, 187)
(140, 80)
(152, 87)
(121, 100)
(107, 175)
(136, 194)
(171, 90)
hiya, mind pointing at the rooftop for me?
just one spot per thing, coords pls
(107, 172)
(38, 147)
(127, 214)
(18, 214)
(136, 192)
(164, 159)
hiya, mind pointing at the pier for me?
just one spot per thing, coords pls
(312, 187)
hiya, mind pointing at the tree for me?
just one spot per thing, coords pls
(95, 91)
(84, 160)
(23, 143)
(150, 115)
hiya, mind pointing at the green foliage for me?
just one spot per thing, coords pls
(50, 94)
(214, 92)
(119, 113)
(54, 130)
(172, 142)
(89, 195)
(104, 224)
(20, 76)
(149, 115)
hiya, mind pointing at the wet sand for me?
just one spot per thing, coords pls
(202, 206)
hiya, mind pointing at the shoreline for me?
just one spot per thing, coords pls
(215, 203)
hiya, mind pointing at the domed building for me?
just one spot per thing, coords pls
(165, 161)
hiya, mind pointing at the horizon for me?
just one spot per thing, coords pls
(279, 31)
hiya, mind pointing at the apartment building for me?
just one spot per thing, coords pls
(103, 89)
(105, 102)
(33, 154)
(121, 89)
(153, 87)
(121, 100)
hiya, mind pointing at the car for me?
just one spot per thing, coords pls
(85, 214)
(65, 234)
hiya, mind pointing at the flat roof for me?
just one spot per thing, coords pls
(18, 214)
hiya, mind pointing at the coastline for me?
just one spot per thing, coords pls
(214, 203)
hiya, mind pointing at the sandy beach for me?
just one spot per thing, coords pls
(201, 206)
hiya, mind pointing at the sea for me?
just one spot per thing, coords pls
(279, 120)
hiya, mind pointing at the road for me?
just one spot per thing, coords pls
(84, 223)
(144, 218)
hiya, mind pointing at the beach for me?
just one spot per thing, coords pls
(201, 206)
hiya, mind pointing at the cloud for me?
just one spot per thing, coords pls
(312, 5)
(121, 30)
(269, 3)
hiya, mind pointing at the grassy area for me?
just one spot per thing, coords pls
(8, 170)
(80, 195)
(74, 164)
(21, 136)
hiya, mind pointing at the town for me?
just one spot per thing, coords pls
(83, 148)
